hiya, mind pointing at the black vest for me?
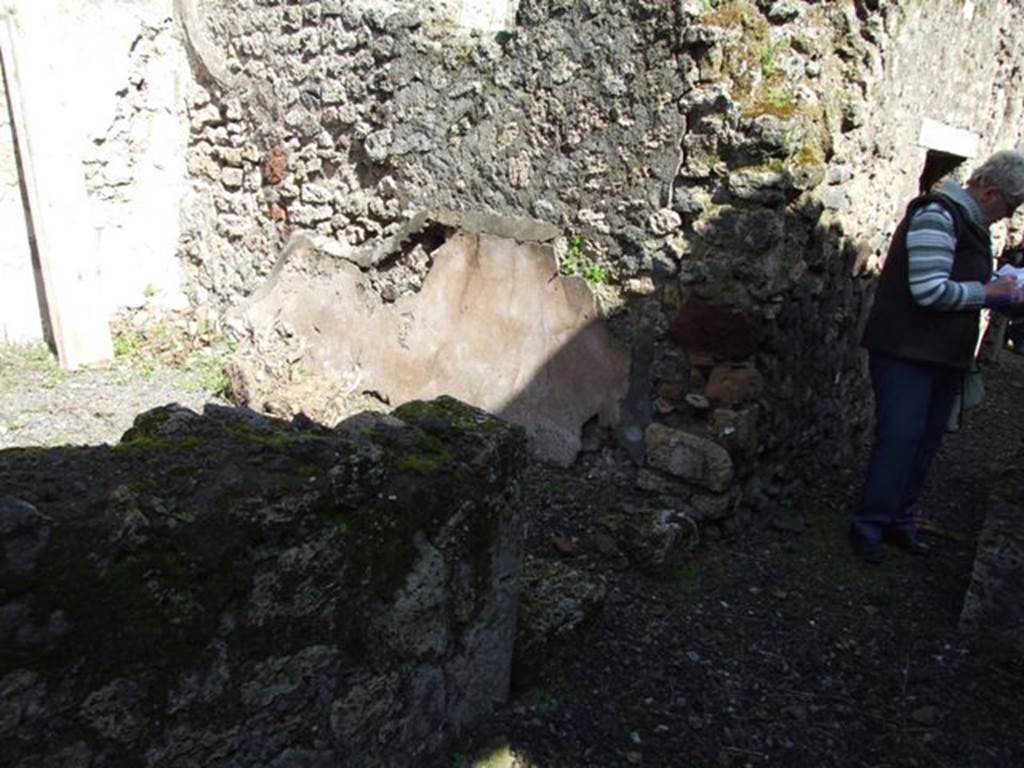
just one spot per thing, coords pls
(898, 326)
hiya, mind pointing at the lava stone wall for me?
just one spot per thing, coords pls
(729, 164)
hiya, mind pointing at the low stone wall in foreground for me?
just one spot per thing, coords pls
(227, 589)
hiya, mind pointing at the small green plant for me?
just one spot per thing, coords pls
(36, 357)
(575, 262)
(769, 62)
(776, 101)
(163, 506)
(200, 354)
(144, 350)
(208, 374)
(149, 291)
(169, 508)
(53, 378)
(208, 371)
(130, 348)
(40, 353)
(128, 344)
(780, 99)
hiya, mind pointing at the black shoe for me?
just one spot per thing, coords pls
(907, 541)
(867, 550)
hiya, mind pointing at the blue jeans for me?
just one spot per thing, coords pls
(912, 405)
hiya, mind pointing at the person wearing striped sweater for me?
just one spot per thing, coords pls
(921, 336)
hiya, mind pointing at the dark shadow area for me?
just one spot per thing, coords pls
(937, 165)
(561, 404)
(777, 647)
(279, 587)
(773, 647)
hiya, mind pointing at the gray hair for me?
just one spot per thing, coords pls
(1005, 171)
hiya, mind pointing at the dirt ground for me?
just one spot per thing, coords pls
(781, 649)
(41, 404)
(767, 649)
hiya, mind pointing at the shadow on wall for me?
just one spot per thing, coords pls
(746, 372)
(579, 386)
(490, 321)
(491, 317)
(746, 354)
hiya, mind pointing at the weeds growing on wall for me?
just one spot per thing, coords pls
(753, 61)
(769, 57)
(575, 262)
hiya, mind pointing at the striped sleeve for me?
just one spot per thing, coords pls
(931, 246)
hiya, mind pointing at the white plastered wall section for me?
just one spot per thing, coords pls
(20, 313)
(947, 138)
(122, 76)
(129, 75)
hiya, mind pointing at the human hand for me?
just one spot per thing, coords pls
(1003, 291)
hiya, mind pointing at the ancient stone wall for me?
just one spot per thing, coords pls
(720, 168)
(227, 589)
(721, 161)
(953, 61)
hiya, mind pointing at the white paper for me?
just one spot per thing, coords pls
(1008, 270)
